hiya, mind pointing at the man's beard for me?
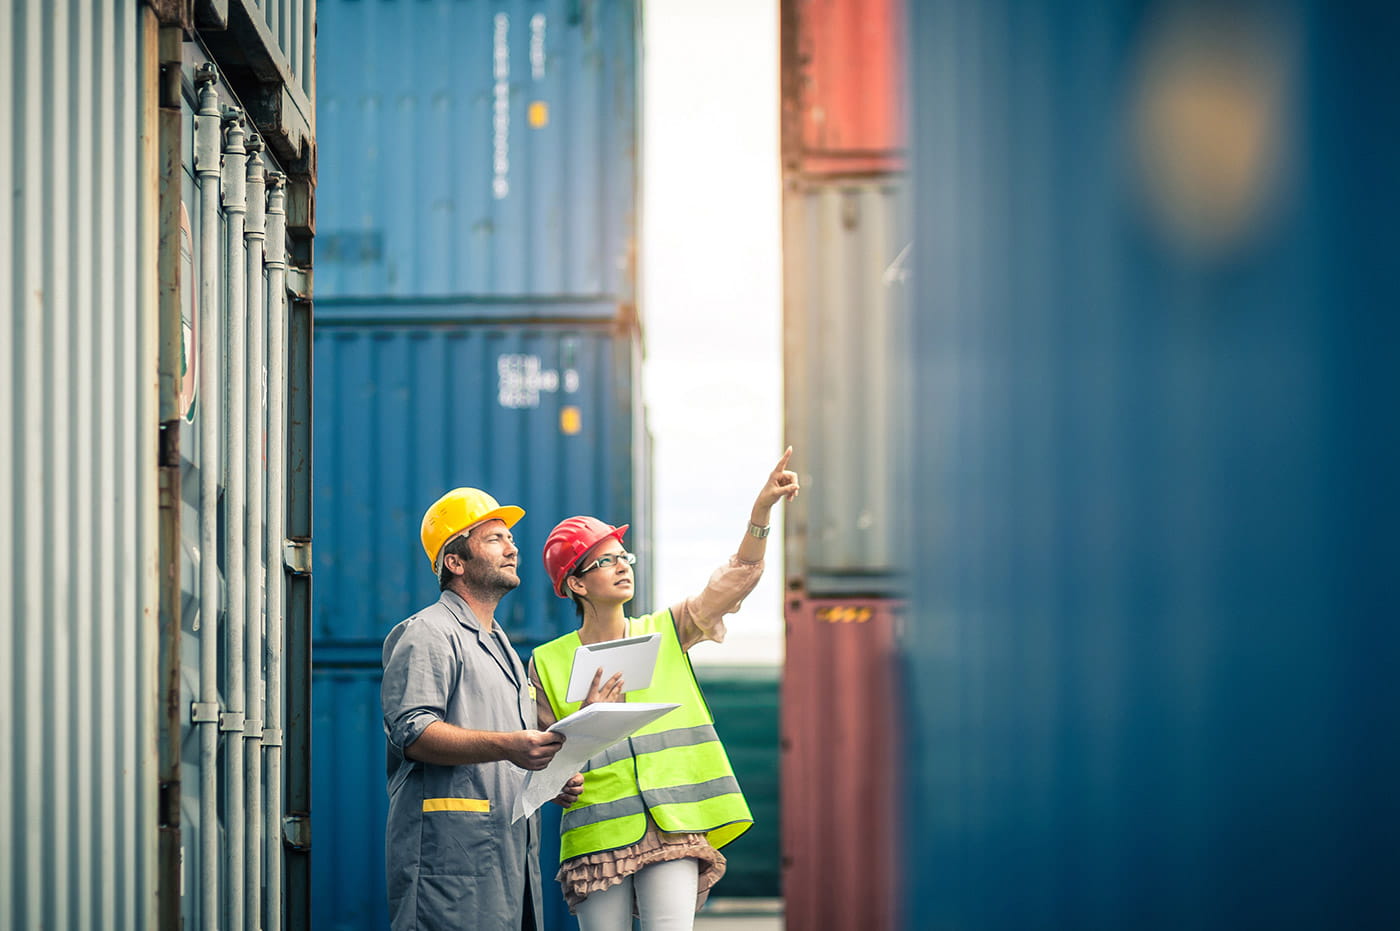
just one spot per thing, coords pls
(488, 579)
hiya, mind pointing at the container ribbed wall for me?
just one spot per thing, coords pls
(1152, 661)
(842, 717)
(845, 308)
(141, 775)
(78, 499)
(843, 86)
(538, 415)
(846, 403)
(232, 434)
(478, 151)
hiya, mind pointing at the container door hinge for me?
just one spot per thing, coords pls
(296, 555)
(296, 832)
(204, 712)
(272, 737)
(231, 721)
(299, 282)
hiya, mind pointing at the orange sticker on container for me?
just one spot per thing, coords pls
(570, 420)
(845, 614)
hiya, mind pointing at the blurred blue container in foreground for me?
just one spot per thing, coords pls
(1153, 647)
(475, 325)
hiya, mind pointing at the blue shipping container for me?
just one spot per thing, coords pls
(476, 325)
(1153, 648)
(546, 416)
(477, 150)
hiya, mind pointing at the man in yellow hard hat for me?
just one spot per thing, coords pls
(460, 719)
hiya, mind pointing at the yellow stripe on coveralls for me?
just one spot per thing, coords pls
(456, 804)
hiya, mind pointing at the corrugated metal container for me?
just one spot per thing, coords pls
(546, 416)
(845, 398)
(842, 731)
(843, 86)
(150, 298)
(539, 415)
(1152, 651)
(233, 315)
(744, 702)
(78, 492)
(479, 151)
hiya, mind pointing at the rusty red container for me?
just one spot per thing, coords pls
(841, 765)
(843, 86)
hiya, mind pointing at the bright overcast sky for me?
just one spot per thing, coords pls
(711, 296)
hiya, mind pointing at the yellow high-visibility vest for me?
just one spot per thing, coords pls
(674, 769)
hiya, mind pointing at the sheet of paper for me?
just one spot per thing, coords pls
(587, 733)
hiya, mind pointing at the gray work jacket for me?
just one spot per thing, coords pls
(452, 856)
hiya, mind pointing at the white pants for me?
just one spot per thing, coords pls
(665, 899)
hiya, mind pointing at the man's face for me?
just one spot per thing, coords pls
(493, 563)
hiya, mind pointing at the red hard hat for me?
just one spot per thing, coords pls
(569, 541)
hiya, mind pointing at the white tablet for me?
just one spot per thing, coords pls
(634, 657)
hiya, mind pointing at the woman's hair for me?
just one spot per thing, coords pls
(457, 546)
(575, 596)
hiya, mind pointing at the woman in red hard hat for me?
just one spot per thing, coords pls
(644, 836)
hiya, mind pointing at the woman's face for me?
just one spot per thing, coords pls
(612, 583)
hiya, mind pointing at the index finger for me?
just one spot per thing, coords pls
(783, 460)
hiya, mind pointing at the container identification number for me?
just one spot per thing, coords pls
(522, 378)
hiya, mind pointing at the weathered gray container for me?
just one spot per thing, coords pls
(147, 462)
(845, 393)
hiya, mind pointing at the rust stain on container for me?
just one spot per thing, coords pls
(843, 79)
(841, 767)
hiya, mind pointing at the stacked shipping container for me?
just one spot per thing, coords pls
(156, 467)
(1153, 658)
(476, 325)
(845, 241)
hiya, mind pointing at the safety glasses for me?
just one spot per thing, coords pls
(602, 562)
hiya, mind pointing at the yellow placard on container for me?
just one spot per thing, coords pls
(845, 614)
(570, 420)
(538, 114)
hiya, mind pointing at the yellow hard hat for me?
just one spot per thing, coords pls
(458, 511)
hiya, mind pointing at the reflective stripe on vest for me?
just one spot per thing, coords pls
(674, 768)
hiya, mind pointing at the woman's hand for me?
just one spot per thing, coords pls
(571, 791)
(607, 691)
(781, 483)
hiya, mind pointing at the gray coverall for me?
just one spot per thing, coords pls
(453, 858)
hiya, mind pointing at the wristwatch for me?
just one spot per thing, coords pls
(757, 531)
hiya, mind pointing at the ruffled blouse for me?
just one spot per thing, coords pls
(698, 618)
